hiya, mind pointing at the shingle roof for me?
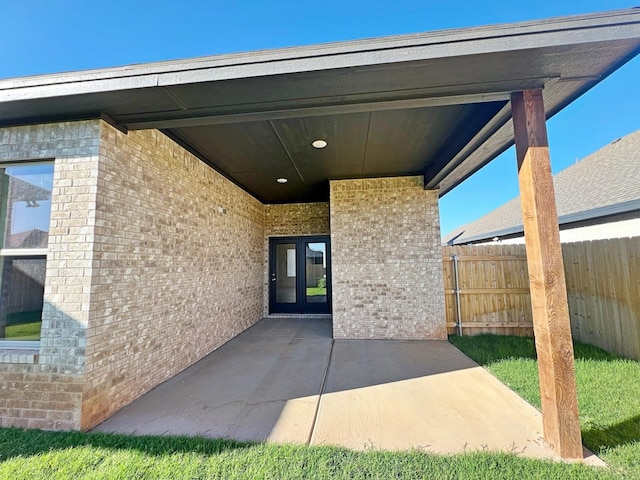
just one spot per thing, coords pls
(603, 183)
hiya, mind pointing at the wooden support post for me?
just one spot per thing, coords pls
(546, 277)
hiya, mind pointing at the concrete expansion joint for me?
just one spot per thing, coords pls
(321, 392)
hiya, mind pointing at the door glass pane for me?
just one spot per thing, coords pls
(285, 273)
(316, 272)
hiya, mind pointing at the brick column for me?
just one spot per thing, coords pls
(387, 260)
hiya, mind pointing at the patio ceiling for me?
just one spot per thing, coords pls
(433, 104)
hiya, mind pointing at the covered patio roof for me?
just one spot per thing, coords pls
(435, 104)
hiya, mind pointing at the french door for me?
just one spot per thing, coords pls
(300, 275)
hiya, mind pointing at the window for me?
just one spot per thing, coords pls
(25, 210)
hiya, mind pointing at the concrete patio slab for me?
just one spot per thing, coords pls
(262, 385)
(286, 380)
(398, 395)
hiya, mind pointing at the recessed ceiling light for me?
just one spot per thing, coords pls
(282, 180)
(319, 144)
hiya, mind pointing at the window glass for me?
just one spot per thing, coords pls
(25, 210)
(21, 297)
(25, 205)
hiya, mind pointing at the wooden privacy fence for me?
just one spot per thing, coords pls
(493, 288)
(603, 285)
(603, 289)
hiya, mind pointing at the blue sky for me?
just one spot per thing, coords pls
(48, 36)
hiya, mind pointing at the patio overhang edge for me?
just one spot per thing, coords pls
(443, 173)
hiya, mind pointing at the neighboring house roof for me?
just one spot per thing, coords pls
(27, 192)
(605, 183)
(435, 104)
(34, 238)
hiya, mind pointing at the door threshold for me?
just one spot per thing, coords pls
(310, 316)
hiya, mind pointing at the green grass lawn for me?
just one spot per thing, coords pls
(23, 325)
(25, 331)
(609, 396)
(608, 392)
(47, 455)
(316, 291)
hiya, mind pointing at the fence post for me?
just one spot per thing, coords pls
(456, 290)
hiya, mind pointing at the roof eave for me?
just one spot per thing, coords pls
(606, 26)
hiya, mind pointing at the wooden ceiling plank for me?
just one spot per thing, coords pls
(206, 117)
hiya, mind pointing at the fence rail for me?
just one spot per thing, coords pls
(603, 289)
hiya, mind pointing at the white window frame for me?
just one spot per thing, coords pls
(23, 252)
